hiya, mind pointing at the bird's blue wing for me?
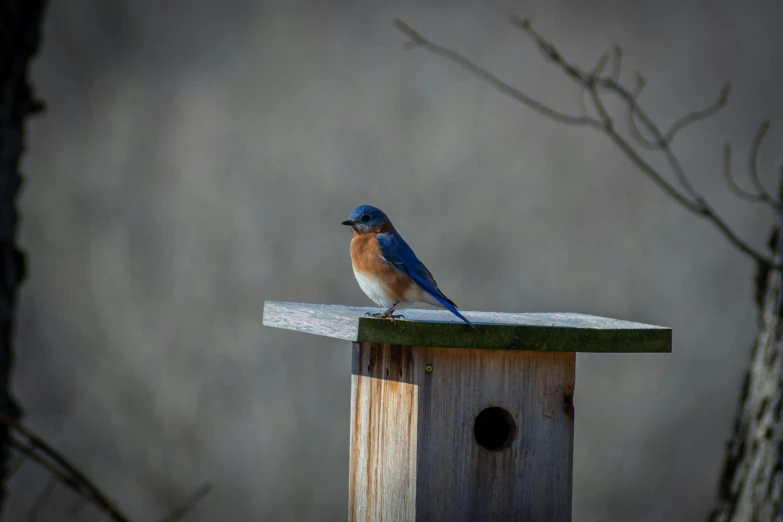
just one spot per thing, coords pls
(397, 252)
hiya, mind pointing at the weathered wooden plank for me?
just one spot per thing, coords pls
(548, 332)
(384, 423)
(415, 451)
(531, 478)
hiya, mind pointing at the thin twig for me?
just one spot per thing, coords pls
(60, 467)
(617, 51)
(691, 199)
(599, 106)
(575, 74)
(753, 159)
(633, 108)
(599, 67)
(695, 116)
(420, 41)
(659, 141)
(597, 103)
(42, 498)
(55, 472)
(194, 499)
(30, 453)
(697, 202)
(739, 191)
(761, 194)
(35, 449)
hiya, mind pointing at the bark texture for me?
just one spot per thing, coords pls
(20, 34)
(751, 486)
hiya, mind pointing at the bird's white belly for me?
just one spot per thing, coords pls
(374, 290)
(415, 294)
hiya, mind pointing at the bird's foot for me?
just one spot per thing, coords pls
(391, 317)
(386, 315)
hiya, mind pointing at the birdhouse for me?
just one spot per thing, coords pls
(455, 424)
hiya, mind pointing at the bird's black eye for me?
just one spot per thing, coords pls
(366, 218)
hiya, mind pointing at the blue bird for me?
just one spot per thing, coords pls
(387, 269)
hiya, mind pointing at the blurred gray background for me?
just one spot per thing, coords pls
(197, 158)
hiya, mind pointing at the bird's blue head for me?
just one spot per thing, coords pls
(368, 219)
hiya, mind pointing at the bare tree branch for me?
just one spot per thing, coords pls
(552, 53)
(67, 480)
(60, 467)
(697, 205)
(695, 116)
(35, 449)
(30, 454)
(419, 41)
(593, 82)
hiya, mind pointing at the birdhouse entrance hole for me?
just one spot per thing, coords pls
(494, 428)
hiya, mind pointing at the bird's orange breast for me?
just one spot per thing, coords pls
(367, 259)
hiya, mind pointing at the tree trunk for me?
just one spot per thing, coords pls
(751, 486)
(20, 34)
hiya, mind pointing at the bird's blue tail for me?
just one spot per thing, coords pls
(450, 306)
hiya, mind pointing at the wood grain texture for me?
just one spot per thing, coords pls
(531, 479)
(414, 455)
(382, 479)
(545, 332)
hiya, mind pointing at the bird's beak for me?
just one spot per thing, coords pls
(348, 222)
